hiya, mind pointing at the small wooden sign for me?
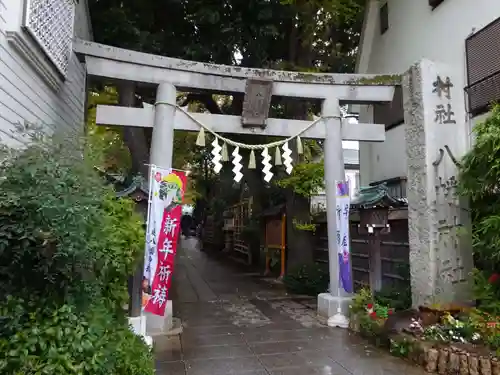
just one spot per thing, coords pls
(274, 235)
(258, 93)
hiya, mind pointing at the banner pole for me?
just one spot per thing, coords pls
(150, 191)
(174, 169)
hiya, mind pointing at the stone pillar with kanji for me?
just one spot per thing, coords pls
(437, 136)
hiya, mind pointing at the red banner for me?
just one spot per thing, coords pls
(169, 196)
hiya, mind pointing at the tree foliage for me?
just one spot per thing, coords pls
(307, 179)
(313, 35)
(109, 140)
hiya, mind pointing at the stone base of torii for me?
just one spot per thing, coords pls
(334, 90)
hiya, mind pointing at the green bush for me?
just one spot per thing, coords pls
(478, 180)
(67, 247)
(307, 279)
(51, 339)
(360, 301)
(398, 298)
(479, 176)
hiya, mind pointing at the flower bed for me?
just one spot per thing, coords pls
(442, 341)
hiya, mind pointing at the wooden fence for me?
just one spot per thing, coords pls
(394, 249)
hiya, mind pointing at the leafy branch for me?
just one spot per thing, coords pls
(307, 179)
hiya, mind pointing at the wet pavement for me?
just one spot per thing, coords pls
(235, 323)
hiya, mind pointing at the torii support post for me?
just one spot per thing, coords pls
(335, 304)
(169, 74)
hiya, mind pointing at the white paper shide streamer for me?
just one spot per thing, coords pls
(216, 152)
(266, 162)
(237, 165)
(287, 159)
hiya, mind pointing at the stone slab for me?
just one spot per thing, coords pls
(328, 306)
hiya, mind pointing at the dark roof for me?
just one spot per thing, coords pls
(138, 184)
(273, 211)
(376, 196)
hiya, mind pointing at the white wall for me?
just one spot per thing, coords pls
(384, 160)
(25, 95)
(416, 32)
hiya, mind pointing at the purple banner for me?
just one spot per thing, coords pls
(345, 274)
(343, 238)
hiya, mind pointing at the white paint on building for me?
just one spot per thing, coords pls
(32, 89)
(415, 32)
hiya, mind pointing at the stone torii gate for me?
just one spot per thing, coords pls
(170, 74)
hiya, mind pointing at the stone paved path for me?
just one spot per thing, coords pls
(235, 324)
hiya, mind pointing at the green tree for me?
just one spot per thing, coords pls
(115, 156)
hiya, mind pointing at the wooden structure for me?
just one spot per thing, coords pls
(274, 223)
(209, 234)
(380, 255)
(381, 236)
(236, 218)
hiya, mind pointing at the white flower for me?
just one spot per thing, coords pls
(476, 336)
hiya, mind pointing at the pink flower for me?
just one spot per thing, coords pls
(370, 306)
(373, 314)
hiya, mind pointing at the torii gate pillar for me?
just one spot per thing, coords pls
(335, 304)
(162, 140)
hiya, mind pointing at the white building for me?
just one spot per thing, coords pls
(461, 34)
(41, 80)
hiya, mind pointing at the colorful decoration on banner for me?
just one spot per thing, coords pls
(167, 189)
(343, 240)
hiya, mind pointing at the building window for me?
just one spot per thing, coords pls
(50, 23)
(435, 3)
(384, 18)
(483, 68)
